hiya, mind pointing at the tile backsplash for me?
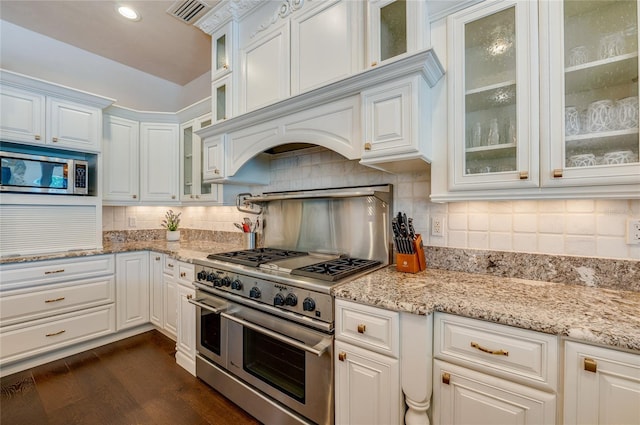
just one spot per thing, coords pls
(588, 228)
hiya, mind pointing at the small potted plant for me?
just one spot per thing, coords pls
(171, 222)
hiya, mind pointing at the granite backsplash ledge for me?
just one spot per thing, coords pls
(122, 236)
(588, 271)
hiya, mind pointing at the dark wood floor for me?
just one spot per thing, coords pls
(133, 381)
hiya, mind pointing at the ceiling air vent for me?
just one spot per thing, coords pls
(188, 11)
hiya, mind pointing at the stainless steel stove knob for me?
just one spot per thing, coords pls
(291, 300)
(308, 304)
(236, 284)
(278, 299)
(255, 292)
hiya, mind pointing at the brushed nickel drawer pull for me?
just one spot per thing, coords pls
(446, 378)
(362, 328)
(54, 271)
(54, 300)
(487, 350)
(56, 333)
(342, 356)
(590, 365)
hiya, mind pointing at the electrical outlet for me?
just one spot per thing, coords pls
(437, 226)
(633, 231)
(132, 222)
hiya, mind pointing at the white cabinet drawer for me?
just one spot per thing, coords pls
(20, 275)
(45, 335)
(170, 265)
(368, 327)
(28, 304)
(518, 354)
(186, 274)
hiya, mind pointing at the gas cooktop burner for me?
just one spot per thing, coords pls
(334, 270)
(255, 257)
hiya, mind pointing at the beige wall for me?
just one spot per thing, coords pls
(571, 227)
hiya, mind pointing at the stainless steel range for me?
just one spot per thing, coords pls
(265, 316)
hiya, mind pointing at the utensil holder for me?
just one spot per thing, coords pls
(412, 263)
(249, 240)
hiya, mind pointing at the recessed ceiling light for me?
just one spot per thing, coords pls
(128, 13)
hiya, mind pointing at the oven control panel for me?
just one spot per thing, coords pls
(287, 297)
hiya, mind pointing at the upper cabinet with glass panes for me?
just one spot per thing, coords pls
(395, 28)
(594, 119)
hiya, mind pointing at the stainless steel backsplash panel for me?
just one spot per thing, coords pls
(348, 221)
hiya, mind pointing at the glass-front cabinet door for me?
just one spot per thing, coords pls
(222, 50)
(494, 102)
(593, 93)
(193, 188)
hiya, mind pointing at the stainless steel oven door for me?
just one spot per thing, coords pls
(211, 330)
(287, 361)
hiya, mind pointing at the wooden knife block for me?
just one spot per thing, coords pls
(412, 263)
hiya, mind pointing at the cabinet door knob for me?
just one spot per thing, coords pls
(170, 265)
(342, 356)
(374, 63)
(135, 196)
(524, 175)
(183, 274)
(557, 173)
(157, 258)
(590, 365)
(54, 139)
(216, 171)
(189, 296)
(173, 196)
(362, 328)
(37, 137)
(197, 196)
(225, 66)
(446, 378)
(367, 146)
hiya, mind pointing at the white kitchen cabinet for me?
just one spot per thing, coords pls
(193, 188)
(490, 373)
(33, 118)
(555, 118)
(366, 365)
(140, 161)
(186, 317)
(50, 305)
(602, 385)
(223, 43)
(156, 289)
(222, 99)
(592, 59)
(265, 68)
(494, 96)
(132, 289)
(170, 289)
(213, 150)
(395, 126)
(326, 44)
(463, 396)
(367, 387)
(159, 150)
(395, 28)
(121, 159)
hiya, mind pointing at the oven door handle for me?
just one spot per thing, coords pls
(317, 349)
(200, 304)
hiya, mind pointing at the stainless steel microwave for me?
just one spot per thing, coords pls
(43, 174)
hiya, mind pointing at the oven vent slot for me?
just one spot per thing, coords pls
(188, 11)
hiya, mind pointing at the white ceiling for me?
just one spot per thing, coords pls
(159, 44)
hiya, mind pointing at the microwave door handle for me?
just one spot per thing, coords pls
(317, 349)
(207, 307)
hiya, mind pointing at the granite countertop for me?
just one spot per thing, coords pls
(603, 316)
(187, 251)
